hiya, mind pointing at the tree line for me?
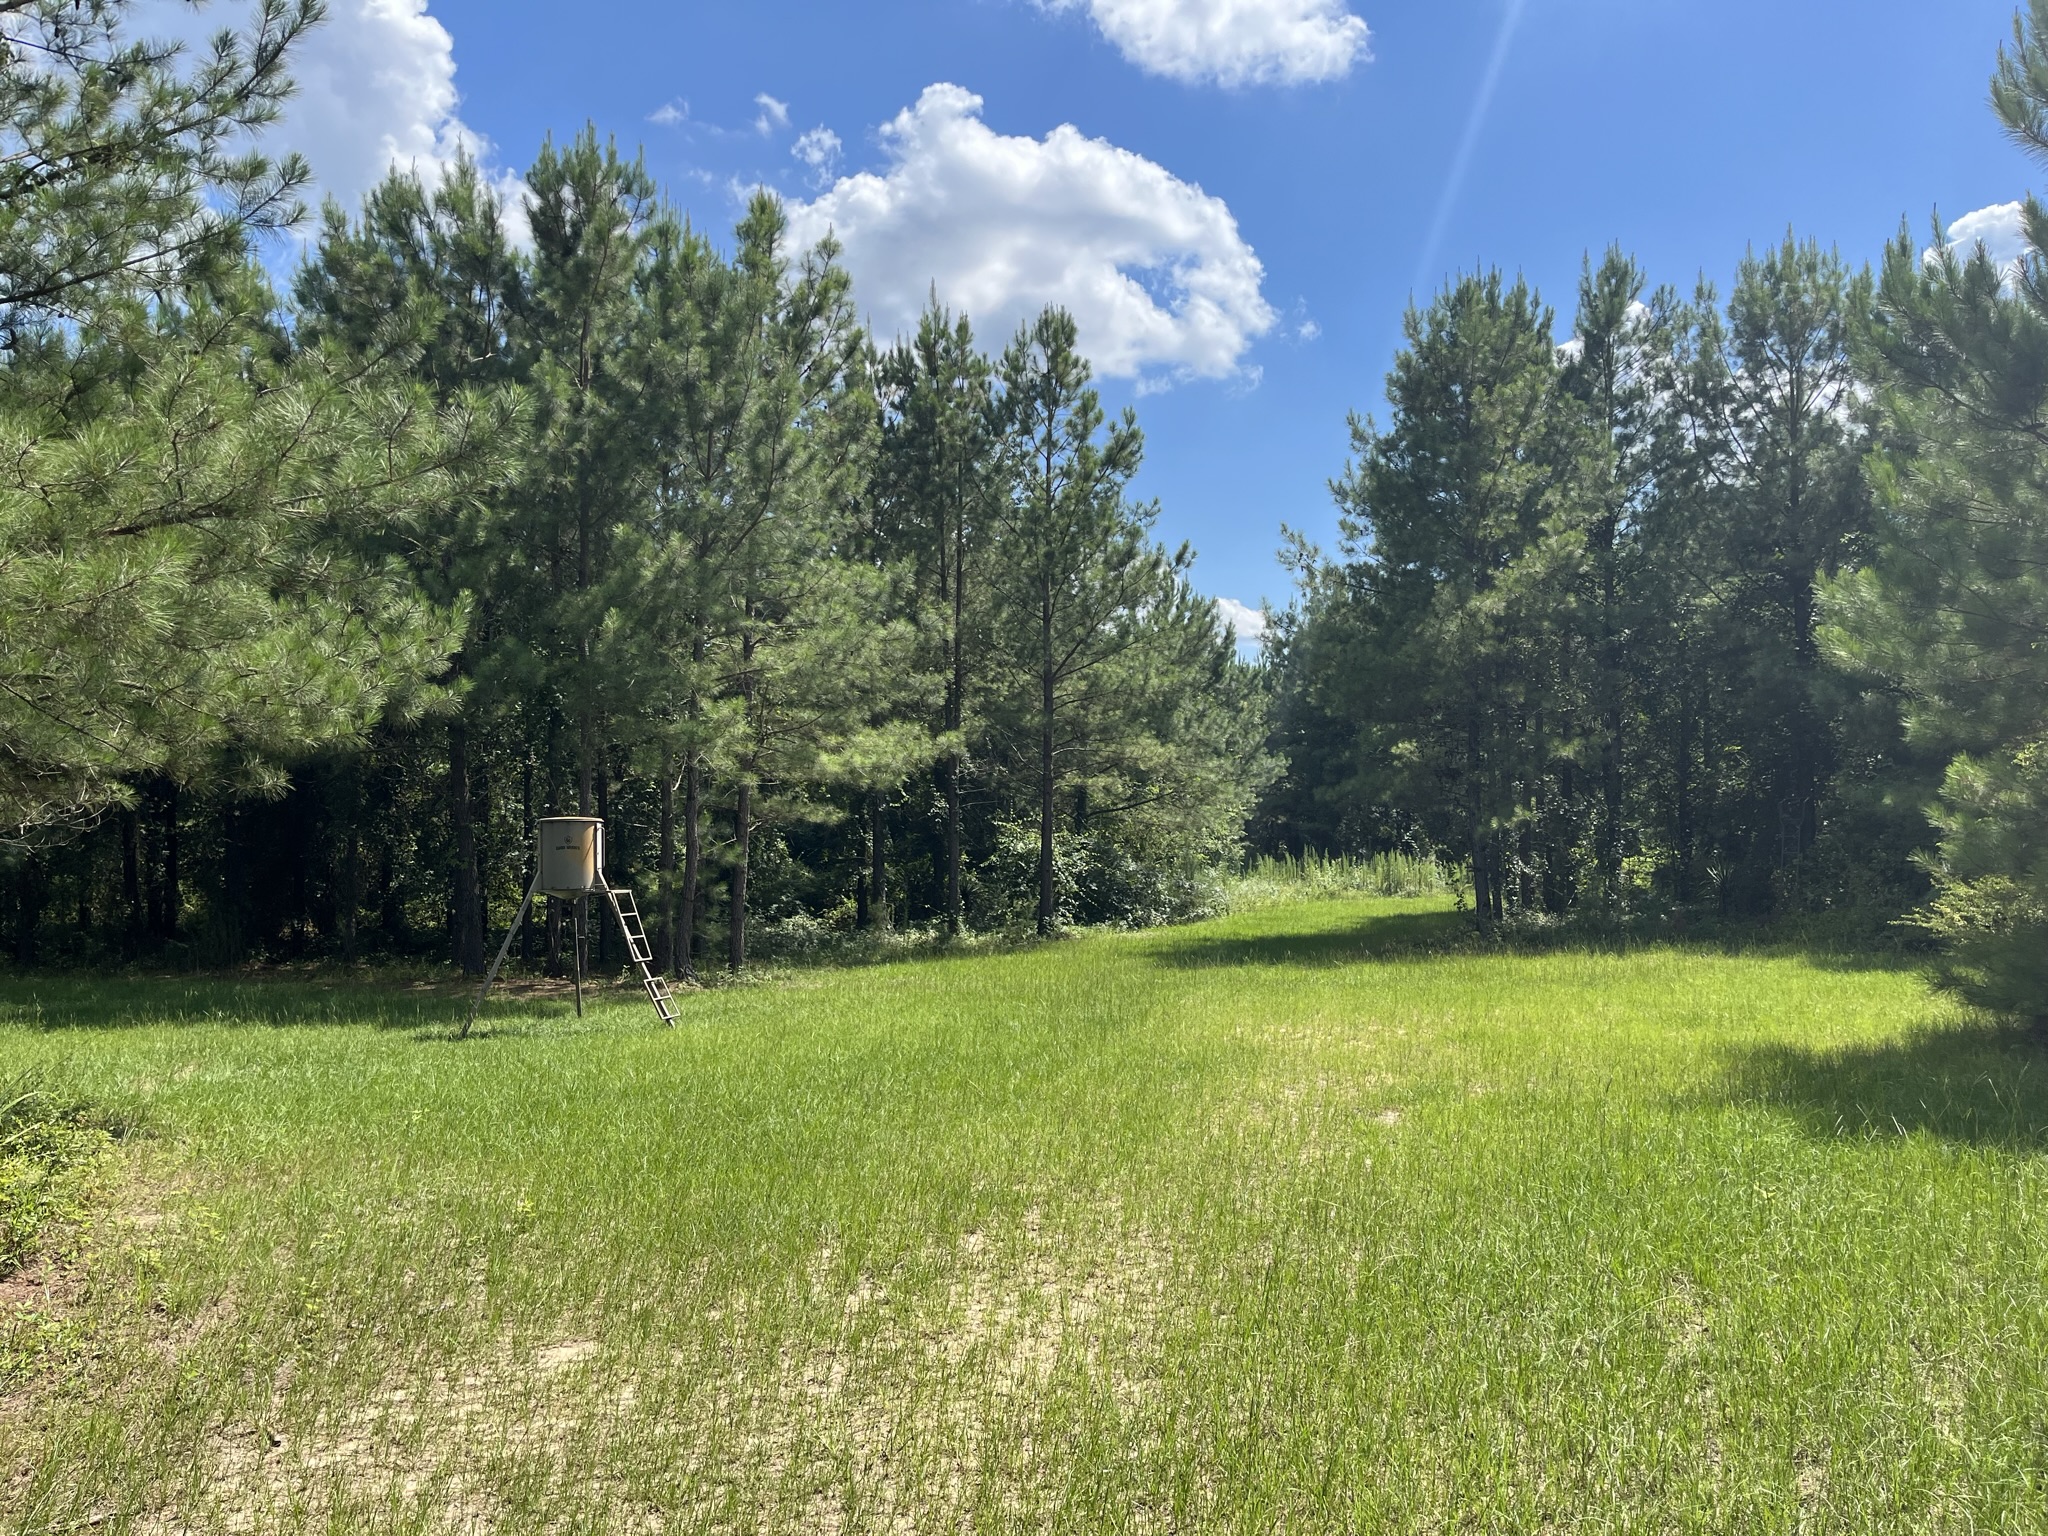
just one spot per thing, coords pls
(1724, 606)
(312, 602)
(316, 601)
(1573, 631)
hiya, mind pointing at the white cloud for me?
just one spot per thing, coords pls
(376, 89)
(1232, 42)
(774, 114)
(1308, 330)
(670, 114)
(1153, 269)
(1250, 623)
(2000, 229)
(819, 149)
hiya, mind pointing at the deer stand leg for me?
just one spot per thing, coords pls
(580, 908)
(504, 949)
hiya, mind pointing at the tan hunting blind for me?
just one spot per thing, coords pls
(570, 856)
(568, 864)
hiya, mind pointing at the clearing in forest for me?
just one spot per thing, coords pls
(1317, 1219)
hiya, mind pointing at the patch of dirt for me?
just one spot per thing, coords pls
(41, 1286)
(906, 1406)
(1683, 1319)
(857, 1401)
(1811, 1484)
(555, 1356)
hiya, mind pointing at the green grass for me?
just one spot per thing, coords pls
(1284, 880)
(1312, 1219)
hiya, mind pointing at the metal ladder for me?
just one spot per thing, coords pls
(628, 912)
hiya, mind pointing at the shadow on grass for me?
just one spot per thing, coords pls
(429, 1008)
(1433, 935)
(1382, 936)
(1979, 1084)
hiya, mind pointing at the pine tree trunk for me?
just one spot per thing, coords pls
(530, 828)
(153, 862)
(230, 885)
(604, 816)
(1046, 701)
(665, 901)
(390, 916)
(863, 914)
(1681, 779)
(878, 864)
(956, 720)
(586, 769)
(1482, 869)
(1611, 722)
(131, 881)
(554, 772)
(693, 862)
(743, 840)
(1806, 730)
(174, 888)
(468, 924)
(351, 869)
(28, 910)
(743, 811)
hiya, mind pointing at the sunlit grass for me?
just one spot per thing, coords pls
(1285, 879)
(1317, 1218)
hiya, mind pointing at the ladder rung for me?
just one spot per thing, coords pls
(642, 953)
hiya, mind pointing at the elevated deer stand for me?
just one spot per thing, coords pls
(569, 865)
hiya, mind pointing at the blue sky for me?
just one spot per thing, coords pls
(1238, 196)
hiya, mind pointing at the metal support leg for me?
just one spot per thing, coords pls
(581, 904)
(504, 949)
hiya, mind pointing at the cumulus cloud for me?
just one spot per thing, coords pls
(2000, 229)
(819, 149)
(670, 114)
(376, 89)
(1232, 42)
(1249, 623)
(1152, 268)
(774, 114)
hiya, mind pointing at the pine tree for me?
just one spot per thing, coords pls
(1077, 567)
(127, 166)
(1618, 371)
(1796, 510)
(190, 523)
(591, 214)
(1465, 548)
(435, 271)
(938, 478)
(1954, 604)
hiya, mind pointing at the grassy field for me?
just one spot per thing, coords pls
(1305, 1220)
